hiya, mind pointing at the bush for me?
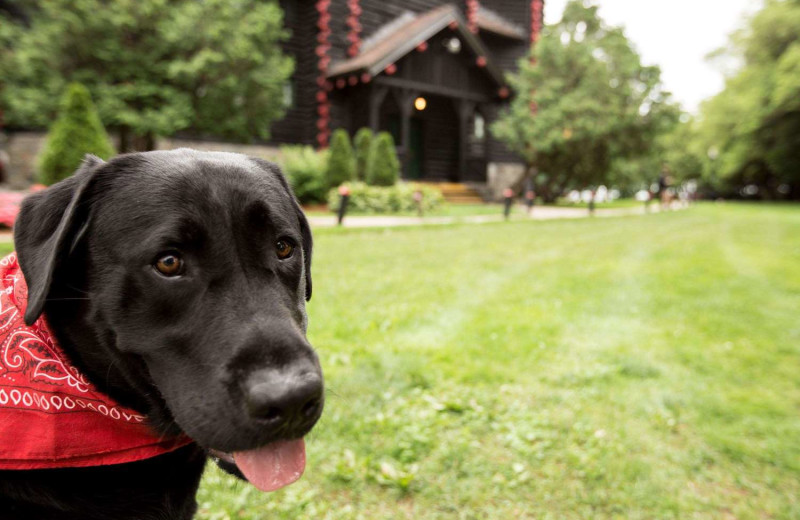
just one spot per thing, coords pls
(362, 143)
(341, 163)
(387, 199)
(305, 169)
(383, 167)
(76, 132)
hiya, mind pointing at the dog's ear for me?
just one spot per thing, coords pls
(305, 230)
(48, 227)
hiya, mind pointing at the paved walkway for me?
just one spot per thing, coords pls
(539, 213)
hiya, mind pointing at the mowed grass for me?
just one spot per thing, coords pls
(635, 367)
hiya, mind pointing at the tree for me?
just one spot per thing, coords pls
(341, 163)
(362, 143)
(383, 167)
(154, 67)
(750, 132)
(76, 132)
(583, 101)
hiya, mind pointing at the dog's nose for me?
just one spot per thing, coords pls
(290, 397)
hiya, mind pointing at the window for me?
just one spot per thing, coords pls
(479, 127)
(288, 94)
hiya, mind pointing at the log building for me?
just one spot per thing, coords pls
(430, 72)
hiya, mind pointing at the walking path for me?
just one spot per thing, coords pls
(539, 213)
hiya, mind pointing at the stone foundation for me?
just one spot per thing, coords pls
(503, 175)
(19, 152)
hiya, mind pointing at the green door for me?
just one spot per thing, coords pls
(413, 165)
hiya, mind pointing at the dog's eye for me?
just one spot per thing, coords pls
(283, 249)
(169, 265)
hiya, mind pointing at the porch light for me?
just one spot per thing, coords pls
(453, 45)
(420, 103)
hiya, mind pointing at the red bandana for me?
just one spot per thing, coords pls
(50, 415)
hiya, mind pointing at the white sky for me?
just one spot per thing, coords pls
(675, 35)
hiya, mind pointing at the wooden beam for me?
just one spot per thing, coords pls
(430, 89)
(376, 97)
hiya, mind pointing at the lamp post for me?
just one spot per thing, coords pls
(344, 197)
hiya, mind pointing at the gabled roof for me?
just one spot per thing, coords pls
(489, 20)
(402, 36)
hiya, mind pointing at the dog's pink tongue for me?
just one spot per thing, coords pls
(274, 466)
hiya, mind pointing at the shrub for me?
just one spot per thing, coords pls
(383, 167)
(362, 143)
(398, 198)
(76, 132)
(305, 169)
(341, 163)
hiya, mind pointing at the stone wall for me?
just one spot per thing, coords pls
(503, 175)
(19, 152)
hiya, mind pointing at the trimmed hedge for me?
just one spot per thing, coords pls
(398, 198)
(305, 170)
(383, 167)
(76, 132)
(341, 161)
(362, 143)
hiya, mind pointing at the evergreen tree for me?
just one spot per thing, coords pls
(383, 167)
(76, 132)
(362, 142)
(341, 163)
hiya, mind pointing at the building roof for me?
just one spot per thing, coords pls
(489, 20)
(402, 36)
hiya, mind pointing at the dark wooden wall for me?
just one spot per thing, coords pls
(298, 126)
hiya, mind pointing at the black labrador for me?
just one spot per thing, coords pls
(176, 282)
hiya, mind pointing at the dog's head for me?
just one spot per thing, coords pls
(177, 280)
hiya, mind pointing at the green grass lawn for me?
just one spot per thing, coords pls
(636, 367)
(639, 367)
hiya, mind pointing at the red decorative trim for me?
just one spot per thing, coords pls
(341, 83)
(503, 92)
(453, 25)
(366, 78)
(391, 69)
(354, 35)
(422, 47)
(472, 15)
(352, 81)
(537, 16)
(323, 46)
(480, 61)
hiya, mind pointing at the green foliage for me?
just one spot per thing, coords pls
(750, 132)
(153, 66)
(305, 169)
(398, 198)
(596, 104)
(473, 375)
(362, 143)
(383, 167)
(341, 164)
(76, 132)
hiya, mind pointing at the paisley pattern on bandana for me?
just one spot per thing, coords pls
(51, 416)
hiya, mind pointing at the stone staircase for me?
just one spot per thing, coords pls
(457, 193)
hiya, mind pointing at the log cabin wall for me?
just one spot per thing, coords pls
(298, 125)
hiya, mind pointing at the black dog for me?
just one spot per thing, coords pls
(176, 282)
